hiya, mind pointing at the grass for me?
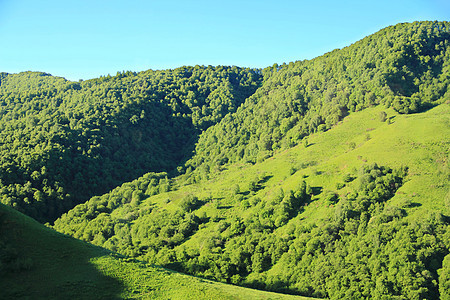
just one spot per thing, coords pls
(60, 267)
(419, 141)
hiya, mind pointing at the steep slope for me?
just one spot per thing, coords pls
(361, 212)
(38, 263)
(63, 142)
(405, 66)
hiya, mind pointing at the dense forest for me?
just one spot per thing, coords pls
(63, 142)
(325, 178)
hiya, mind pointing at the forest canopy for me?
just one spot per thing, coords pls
(406, 67)
(63, 142)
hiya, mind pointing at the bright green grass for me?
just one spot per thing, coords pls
(419, 141)
(65, 268)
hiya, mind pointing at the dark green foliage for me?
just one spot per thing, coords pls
(444, 278)
(63, 142)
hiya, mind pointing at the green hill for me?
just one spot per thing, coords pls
(405, 67)
(39, 263)
(324, 178)
(361, 212)
(64, 142)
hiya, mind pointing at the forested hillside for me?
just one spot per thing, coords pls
(324, 178)
(406, 66)
(39, 263)
(63, 142)
(362, 212)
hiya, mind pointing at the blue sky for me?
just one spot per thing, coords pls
(87, 38)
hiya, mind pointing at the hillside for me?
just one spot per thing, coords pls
(405, 67)
(63, 142)
(38, 263)
(361, 212)
(323, 178)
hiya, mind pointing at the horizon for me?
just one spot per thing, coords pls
(89, 40)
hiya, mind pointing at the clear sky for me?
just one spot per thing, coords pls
(84, 39)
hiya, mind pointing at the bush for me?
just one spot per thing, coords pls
(189, 203)
(348, 178)
(331, 197)
(383, 116)
(340, 185)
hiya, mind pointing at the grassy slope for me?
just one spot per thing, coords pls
(65, 268)
(418, 141)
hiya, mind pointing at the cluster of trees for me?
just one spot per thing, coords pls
(365, 248)
(107, 220)
(63, 142)
(406, 67)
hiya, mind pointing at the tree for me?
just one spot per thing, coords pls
(305, 142)
(444, 278)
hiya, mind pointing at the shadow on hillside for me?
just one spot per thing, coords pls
(316, 190)
(224, 206)
(43, 264)
(414, 204)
